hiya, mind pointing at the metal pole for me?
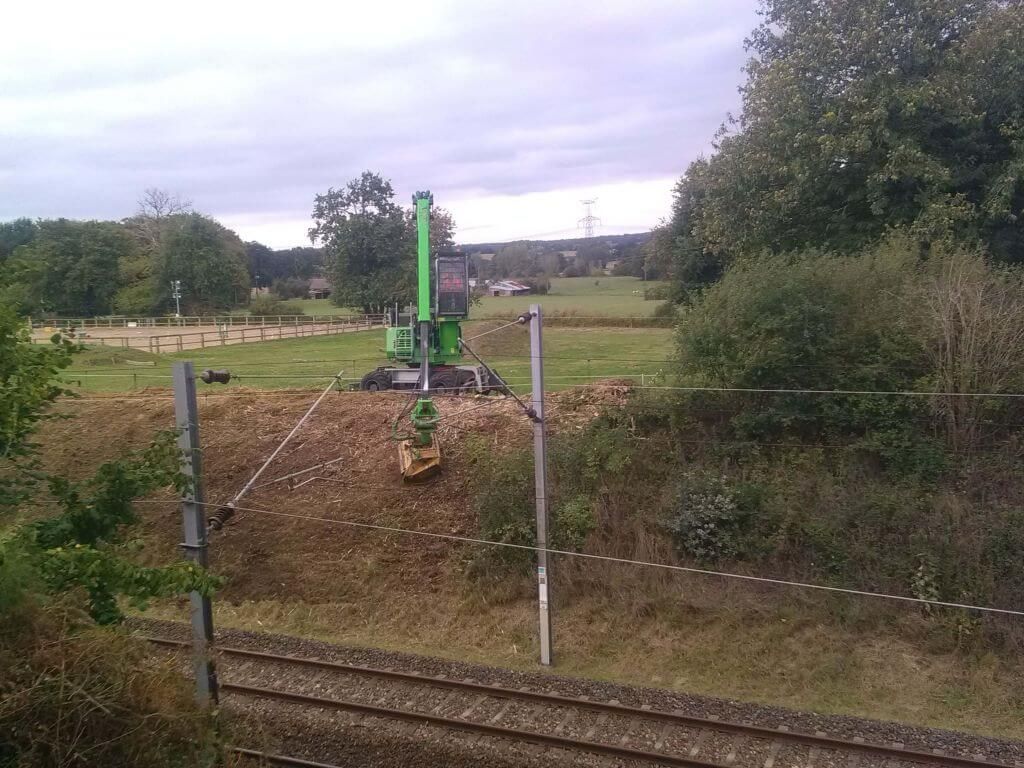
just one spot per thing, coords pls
(540, 464)
(186, 414)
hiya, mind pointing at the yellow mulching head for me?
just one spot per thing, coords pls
(419, 462)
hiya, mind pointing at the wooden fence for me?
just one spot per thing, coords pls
(192, 321)
(179, 342)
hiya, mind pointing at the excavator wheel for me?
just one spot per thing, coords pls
(465, 383)
(376, 381)
(444, 382)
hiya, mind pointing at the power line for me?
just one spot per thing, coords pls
(638, 563)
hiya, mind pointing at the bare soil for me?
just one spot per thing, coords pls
(279, 556)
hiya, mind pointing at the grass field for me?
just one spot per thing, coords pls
(585, 296)
(572, 356)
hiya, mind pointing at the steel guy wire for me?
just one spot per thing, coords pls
(639, 563)
(284, 442)
(528, 410)
(517, 322)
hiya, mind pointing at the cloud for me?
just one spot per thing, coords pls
(250, 113)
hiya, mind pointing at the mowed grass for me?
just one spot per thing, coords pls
(572, 356)
(583, 296)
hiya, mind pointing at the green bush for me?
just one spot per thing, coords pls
(811, 322)
(659, 292)
(502, 491)
(712, 521)
(573, 522)
(271, 306)
(540, 285)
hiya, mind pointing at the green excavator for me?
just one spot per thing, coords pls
(426, 347)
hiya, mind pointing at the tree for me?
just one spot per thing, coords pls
(156, 207)
(15, 233)
(594, 253)
(859, 118)
(369, 243)
(71, 267)
(61, 575)
(289, 264)
(259, 259)
(513, 261)
(207, 258)
(139, 292)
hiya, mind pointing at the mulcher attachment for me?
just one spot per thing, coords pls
(420, 456)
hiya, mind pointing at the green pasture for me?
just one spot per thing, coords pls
(583, 296)
(572, 356)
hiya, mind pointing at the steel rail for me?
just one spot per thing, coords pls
(622, 710)
(513, 734)
(272, 759)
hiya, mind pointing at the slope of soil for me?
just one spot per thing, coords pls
(271, 556)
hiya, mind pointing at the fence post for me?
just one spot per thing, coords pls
(186, 414)
(540, 472)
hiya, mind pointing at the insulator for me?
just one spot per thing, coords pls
(215, 377)
(221, 516)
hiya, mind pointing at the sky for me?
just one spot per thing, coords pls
(510, 113)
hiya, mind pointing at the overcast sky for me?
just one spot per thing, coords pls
(510, 112)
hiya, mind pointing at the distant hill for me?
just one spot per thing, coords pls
(616, 242)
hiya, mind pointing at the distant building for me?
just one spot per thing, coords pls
(508, 288)
(485, 256)
(319, 288)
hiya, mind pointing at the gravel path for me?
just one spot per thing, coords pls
(331, 736)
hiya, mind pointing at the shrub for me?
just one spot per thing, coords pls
(72, 694)
(539, 285)
(813, 322)
(711, 520)
(573, 522)
(660, 292)
(503, 495)
(270, 306)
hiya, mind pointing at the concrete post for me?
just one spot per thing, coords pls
(540, 462)
(186, 413)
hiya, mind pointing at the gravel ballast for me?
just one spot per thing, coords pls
(461, 749)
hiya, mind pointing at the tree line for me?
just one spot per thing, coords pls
(860, 120)
(89, 268)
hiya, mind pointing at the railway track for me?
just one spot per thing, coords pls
(633, 735)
